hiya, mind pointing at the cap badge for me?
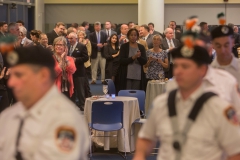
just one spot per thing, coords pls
(225, 30)
(12, 58)
(187, 52)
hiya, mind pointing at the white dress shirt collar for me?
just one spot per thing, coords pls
(146, 37)
(23, 40)
(234, 63)
(36, 110)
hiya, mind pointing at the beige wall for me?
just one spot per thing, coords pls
(136, 1)
(122, 13)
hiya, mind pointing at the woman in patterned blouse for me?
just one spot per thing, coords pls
(157, 59)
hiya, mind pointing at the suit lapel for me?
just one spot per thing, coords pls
(165, 43)
(175, 43)
(95, 36)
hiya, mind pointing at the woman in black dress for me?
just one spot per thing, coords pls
(132, 57)
(4, 102)
(111, 52)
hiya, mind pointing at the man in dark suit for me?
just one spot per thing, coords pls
(152, 30)
(168, 43)
(85, 24)
(98, 40)
(123, 36)
(3, 29)
(80, 55)
(146, 36)
(56, 32)
(177, 34)
(108, 29)
(43, 41)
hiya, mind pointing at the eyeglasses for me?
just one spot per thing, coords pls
(59, 45)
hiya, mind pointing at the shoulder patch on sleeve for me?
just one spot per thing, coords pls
(65, 138)
(231, 115)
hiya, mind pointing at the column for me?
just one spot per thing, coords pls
(39, 15)
(151, 11)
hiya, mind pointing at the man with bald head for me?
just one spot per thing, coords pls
(123, 36)
(168, 43)
(80, 55)
(81, 28)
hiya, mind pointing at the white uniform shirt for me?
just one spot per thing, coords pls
(220, 82)
(233, 68)
(209, 135)
(53, 130)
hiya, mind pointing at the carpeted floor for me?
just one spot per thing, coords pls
(96, 89)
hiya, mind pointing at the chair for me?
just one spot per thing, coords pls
(139, 94)
(111, 86)
(107, 116)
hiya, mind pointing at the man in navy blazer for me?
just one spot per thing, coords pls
(80, 55)
(98, 40)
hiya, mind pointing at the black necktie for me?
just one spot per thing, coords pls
(108, 33)
(18, 154)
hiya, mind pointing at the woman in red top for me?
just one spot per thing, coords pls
(64, 67)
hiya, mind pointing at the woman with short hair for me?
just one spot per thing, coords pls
(65, 66)
(132, 57)
(157, 59)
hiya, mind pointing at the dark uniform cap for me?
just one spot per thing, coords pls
(197, 54)
(222, 31)
(35, 55)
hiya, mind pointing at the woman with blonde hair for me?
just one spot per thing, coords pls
(157, 59)
(64, 67)
(82, 39)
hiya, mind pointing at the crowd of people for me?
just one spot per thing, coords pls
(80, 54)
(135, 56)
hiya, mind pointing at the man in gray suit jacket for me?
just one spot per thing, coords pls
(145, 35)
(108, 29)
(24, 40)
(168, 43)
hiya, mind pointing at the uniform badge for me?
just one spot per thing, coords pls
(231, 115)
(187, 52)
(65, 138)
(12, 58)
(76, 49)
(225, 30)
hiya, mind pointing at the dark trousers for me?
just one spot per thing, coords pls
(133, 84)
(87, 88)
(79, 92)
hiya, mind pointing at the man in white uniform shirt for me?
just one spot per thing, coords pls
(218, 81)
(43, 124)
(223, 42)
(187, 129)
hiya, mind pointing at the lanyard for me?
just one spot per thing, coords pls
(181, 137)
